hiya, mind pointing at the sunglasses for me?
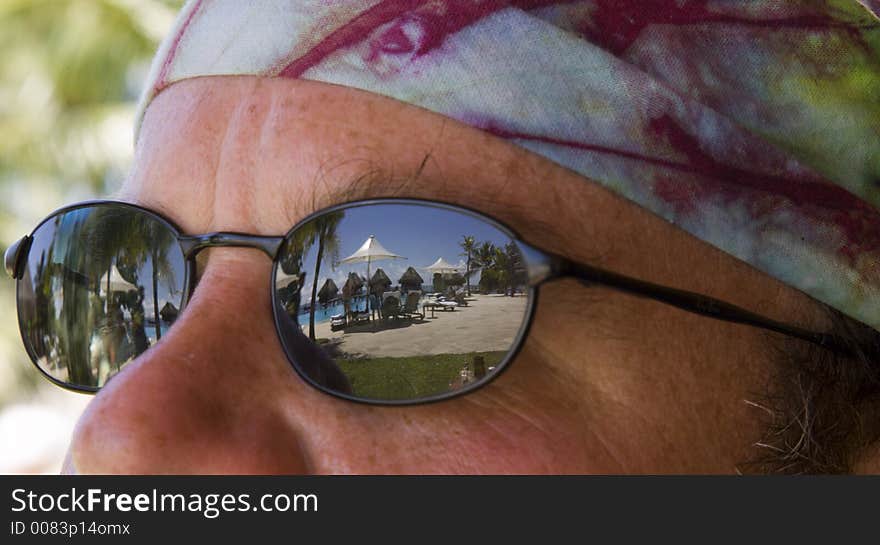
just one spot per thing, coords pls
(367, 302)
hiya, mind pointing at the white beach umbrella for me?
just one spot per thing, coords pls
(282, 279)
(117, 283)
(442, 267)
(371, 250)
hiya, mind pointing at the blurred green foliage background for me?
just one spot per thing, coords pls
(71, 72)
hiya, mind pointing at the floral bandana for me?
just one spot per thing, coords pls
(752, 124)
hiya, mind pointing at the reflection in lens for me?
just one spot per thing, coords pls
(102, 284)
(399, 301)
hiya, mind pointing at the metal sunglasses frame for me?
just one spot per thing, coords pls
(541, 267)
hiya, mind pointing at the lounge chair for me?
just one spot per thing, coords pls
(391, 305)
(459, 298)
(337, 322)
(440, 304)
(411, 307)
(356, 317)
(447, 302)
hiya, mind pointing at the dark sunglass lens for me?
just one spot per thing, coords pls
(102, 284)
(400, 302)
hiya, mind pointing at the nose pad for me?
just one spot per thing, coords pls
(211, 397)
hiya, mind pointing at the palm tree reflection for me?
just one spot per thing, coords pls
(90, 281)
(323, 231)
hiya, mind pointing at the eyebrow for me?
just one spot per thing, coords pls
(370, 181)
(374, 182)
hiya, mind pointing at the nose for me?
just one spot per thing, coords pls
(206, 398)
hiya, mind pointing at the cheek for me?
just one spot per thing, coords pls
(661, 390)
(524, 422)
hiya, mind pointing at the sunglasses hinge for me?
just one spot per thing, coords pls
(540, 266)
(15, 256)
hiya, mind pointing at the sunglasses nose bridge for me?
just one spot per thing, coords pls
(193, 244)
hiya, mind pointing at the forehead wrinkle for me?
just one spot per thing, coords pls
(263, 152)
(272, 125)
(236, 161)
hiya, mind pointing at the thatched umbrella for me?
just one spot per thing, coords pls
(288, 293)
(352, 285)
(454, 279)
(380, 282)
(411, 280)
(328, 291)
(169, 312)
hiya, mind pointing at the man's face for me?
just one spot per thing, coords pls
(605, 382)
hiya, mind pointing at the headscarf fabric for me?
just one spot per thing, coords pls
(752, 124)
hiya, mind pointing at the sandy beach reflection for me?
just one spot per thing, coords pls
(488, 323)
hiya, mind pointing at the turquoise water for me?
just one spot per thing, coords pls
(323, 314)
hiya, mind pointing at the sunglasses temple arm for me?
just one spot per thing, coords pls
(546, 267)
(15, 257)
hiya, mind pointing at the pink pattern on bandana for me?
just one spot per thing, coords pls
(753, 125)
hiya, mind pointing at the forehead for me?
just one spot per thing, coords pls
(257, 155)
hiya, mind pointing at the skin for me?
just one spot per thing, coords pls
(605, 383)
